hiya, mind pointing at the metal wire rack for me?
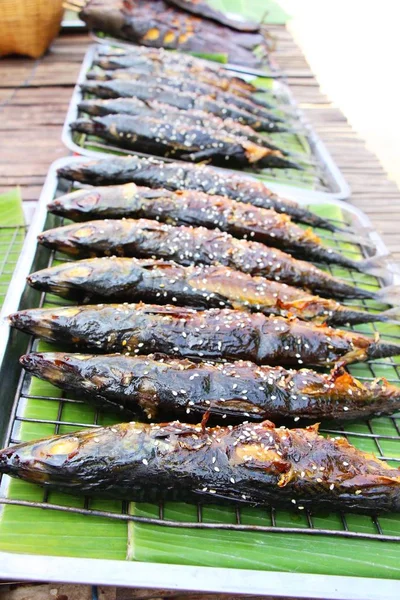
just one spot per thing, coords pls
(376, 529)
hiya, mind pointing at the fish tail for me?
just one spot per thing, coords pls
(383, 350)
(388, 295)
(357, 317)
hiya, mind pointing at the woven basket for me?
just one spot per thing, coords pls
(29, 26)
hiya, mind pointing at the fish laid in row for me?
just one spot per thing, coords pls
(147, 280)
(155, 173)
(113, 66)
(160, 388)
(189, 207)
(183, 100)
(214, 334)
(135, 107)
(163, 137)
(160, 25)
(250, 464)
(186, 245)
(184, 82)
(141, 57)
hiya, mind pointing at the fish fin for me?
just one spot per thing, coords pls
(392, 315)
(202, 155)
(378, 265)
(388, 295)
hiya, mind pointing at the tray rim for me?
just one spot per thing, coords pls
(320, 149)
(175, 576)
(198, 579)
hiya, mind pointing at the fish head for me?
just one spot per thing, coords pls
(45, 323)
(60, 368)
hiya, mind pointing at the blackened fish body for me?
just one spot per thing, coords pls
(155, 173)
(185, 83)
(198, 209)
(161, 388)
(254, 464)
(158, 24)
(135, 107)
(184, 100)
(190, 142)
(144, 238)
(214, 334)
(147, 280)
(112, 57)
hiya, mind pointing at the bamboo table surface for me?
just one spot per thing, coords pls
(34, 97)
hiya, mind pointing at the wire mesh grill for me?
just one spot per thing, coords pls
(11, 242)
(386, 446)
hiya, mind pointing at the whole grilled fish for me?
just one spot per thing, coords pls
(148, 280)
(113, 57)
(184, 82)
(164, 137)
(199, 209)
(179, 176)
(159, 388)
(135, 107)
(158, 24)
(183, 100)
(254, 464)
(193, 246)
(213, 334)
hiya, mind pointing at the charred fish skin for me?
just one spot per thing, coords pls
(179, 176)
(148, 280)
(188, 246)
(111, 57)
(158, 24)
(255, 464)
(134, 107)
(216, 83)
(183, 100)
(199, 209)
(189, 142)
(214, 334)
(159, 388)
(185, 83)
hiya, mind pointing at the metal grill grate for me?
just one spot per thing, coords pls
(373, 528)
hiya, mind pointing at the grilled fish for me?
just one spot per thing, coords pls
(199, 209)
(185, 83)
(175, 138)
(159, 388)
(179, 176)
(122, 66)
(254, 464)
(112, 57)
(148, 280)
(184, 100)
(213, 334)
(160, 25)
(193, 246)
(135, 107)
